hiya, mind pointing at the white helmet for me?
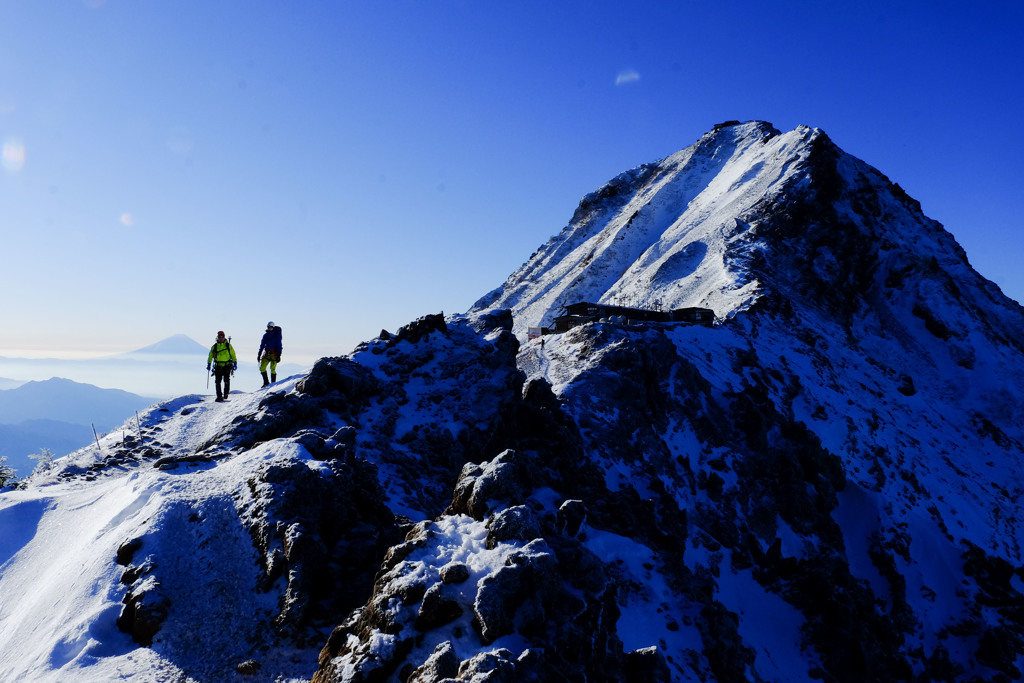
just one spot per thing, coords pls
(270, 324)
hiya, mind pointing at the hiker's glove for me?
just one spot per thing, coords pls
(207, 367)
(259, 357)
(235, 366)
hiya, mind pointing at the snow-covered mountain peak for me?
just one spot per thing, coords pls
(175, 345)
(825, 484)
(663, 234)
(743, 213)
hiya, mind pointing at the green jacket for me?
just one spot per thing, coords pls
(222, 353)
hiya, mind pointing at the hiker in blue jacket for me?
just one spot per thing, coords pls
(270, 352)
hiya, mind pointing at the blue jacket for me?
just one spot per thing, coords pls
(271, 341)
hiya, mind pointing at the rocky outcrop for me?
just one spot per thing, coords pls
(321, 533)
(529, 576)
(145, 606)
(696, 460)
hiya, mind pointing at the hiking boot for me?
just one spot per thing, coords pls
(273, 377)
(265, 380)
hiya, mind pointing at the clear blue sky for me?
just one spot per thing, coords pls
(341, 167)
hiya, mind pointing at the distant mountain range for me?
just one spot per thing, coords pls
(59, 415)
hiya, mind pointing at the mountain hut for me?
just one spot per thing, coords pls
(587, 312)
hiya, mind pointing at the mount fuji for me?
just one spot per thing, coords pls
(825, 484)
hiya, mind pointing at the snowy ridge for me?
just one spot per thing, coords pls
(61, 571)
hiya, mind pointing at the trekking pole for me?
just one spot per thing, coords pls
(97, 436)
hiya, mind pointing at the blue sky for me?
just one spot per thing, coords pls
(343, 167)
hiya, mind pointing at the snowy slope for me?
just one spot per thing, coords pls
(60, 541)
(672, 234)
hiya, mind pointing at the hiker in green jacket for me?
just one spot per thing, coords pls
(222, 356)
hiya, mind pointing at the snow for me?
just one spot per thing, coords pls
(62, 585)
(648, 617)
(63, 581)
(677, 235)
(452, 539)
(765, 619)
(673, 244)
(858, 516)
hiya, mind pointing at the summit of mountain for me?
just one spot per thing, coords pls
(748, 215)
(175, 345)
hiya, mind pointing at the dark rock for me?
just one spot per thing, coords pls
(456, 572)
(397, 553)
(497, 484)
(435, 610)
(346, 435)
(338, 375)
(325, 532)
(647, 665)
(249, 667)
(420, 328)
(538, 391)
(143, 615)
(528, 574)
(464, 489)
(497, 319)
(571, 516)
(495, 667)
(134, 572)
(126, 551)
(512, 524)
(411, 593)
(496, 603)
(441, 665)
(480, 487)
(999, 648)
